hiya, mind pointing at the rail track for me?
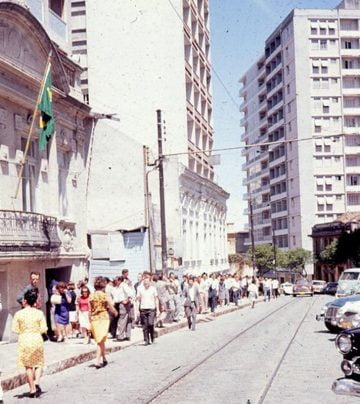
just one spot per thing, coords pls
(266, 389)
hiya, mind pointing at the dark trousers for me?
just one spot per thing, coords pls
(236, 296)
(147, 317)
(114, 321)
(125, 321)
(213, 301)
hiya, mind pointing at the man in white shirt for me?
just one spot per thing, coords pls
(148, 305)
(191, 302)
(213, 292)
(124, 296)
(204, 293)
(275, 288)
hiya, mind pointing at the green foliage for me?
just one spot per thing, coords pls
(236, 259)
(292, 259)
(348, 248)
(328, 254)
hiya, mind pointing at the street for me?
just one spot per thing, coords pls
(243, 357)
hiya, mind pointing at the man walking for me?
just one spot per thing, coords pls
(148, 304)
(275, 288)
(173, 288)
(34, 284)
(125, 305)
(191, 302)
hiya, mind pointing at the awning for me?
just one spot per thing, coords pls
(317, 122)
(332, 25)
(323, 25)
(326, 103)
(327, 142)
(329, 199)
(318, 142)
(328, 181)
(316, 62)
(319, 181)
(314, 25)
(324, 63)
(321, 200)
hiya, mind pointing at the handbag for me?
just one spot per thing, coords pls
(55, 299)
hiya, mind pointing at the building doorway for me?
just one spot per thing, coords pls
(52, 276)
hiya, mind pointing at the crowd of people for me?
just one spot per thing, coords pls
(113, 307)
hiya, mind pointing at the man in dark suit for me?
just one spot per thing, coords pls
(191, 302)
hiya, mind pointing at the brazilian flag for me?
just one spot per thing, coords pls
(47, 120)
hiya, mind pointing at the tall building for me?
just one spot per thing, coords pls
(305, 85)
(154, 55)
(43, 227)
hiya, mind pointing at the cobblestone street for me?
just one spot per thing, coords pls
(244, 371)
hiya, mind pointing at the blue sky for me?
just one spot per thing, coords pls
(238, 31)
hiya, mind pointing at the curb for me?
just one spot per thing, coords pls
(15, 380)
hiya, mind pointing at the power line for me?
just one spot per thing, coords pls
(248, 146)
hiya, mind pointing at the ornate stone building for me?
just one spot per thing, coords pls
(43, 229)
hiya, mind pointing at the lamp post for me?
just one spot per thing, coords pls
(252, 235)
(274, 249)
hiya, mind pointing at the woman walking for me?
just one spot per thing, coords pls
(222, 291)
(83, 307)
(62, 302)
(100, 303)
(30, 323)
(253, 293)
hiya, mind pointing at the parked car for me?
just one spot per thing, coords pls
(335, 310)
(348, 344)
(349, 315)
(318, 286)
(303, 287)
(349, 282)
(286, 288)
(330, 288)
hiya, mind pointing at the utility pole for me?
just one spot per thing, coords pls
(162, 194)
(274, 249)
(252, 235)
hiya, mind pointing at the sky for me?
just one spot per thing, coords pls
(239, 29)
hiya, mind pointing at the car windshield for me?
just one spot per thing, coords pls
(332, 284)
(349, 276)
(302, 282)
(318, 282)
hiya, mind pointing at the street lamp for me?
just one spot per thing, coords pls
(274, 249)
(252, 235)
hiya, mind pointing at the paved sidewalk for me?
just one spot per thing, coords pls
(60, 356)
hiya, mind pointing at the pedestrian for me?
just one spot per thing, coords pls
(267, 289)
(124, 297)
(61, 299)
(83, 308)
(100, 303)
(30, 324)
(213, 292)
(222, 291)
(148, 305)
(191, 302)
(163, 296)
(204, 293)
(275, 288)
(34, 283)
(73, 327)
(174, 297)
(253, 293)
(115, 300)
(236, 289)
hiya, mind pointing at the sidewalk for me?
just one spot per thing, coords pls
(60, 356)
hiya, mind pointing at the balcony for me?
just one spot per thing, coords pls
(25, 231)
(350, 72)
(354, 52)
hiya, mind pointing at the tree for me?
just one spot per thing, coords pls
(328, 254)
(264, 257)
(348, 248)
(297, 258)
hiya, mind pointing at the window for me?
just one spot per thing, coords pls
(334, 81)
(313, 31)
(328, 187)
(288, 88)
(29, 180)
(63, 164)
(329, 207)
(348, 45)
(316, 84)
(348, 64)
(322, 31)
(287, 70)
(338, 197)
(326, 109)
(331, 31)
(324, 69)
(57, 6)
(354, 180)
(320, 208)
(327, 148)
(323, 44)
(316, 69)
(318, 148)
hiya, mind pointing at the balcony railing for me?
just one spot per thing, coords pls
(25, 231)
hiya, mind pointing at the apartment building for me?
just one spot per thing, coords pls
(304, 93)
(43, 227)
(154, 55)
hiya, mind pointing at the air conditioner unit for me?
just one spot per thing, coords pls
(44, 166)
(4, 152)
(19, 154)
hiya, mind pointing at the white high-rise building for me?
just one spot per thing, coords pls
(140, 57)
(305, 85)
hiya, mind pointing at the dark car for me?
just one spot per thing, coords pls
(330, 288)
(348, 344)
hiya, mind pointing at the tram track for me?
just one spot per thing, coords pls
(195, 366)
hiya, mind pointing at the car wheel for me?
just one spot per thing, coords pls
(331, 328)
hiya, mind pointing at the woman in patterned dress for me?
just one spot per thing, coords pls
(30, 323)
(100, 303)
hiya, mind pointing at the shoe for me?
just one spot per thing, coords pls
(147, 343)
(32, 395)
(98, 366)
(38, 389)
(105, 362)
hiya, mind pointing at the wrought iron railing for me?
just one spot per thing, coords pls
(27, 231)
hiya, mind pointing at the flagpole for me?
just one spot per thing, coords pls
(22, 164)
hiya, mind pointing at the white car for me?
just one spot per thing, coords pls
(287, 288)
(318, 286)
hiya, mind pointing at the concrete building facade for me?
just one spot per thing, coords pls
(160, 59)
(303, 93)
(44, 228)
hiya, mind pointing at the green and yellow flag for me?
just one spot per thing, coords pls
(47, 120)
